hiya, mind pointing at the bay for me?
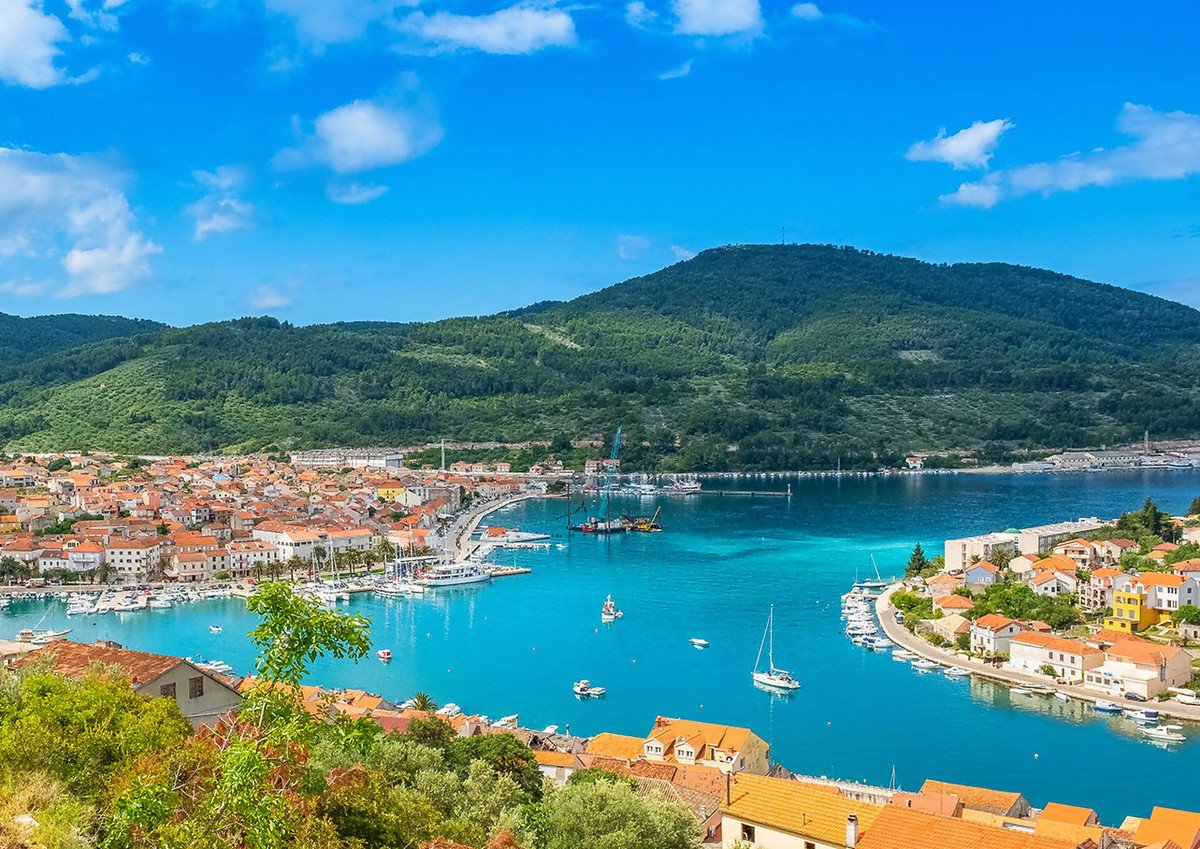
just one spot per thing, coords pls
(516, 646)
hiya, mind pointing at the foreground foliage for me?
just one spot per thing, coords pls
(89, 764)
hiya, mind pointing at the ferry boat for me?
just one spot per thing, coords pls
(455, 575)
(384, 654)
(772, 676)
(609, 612)
(584, 689)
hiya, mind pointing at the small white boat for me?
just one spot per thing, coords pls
(609, 612)
(214, 629)
(584, 689)
(159, 603)
(550, 729)
(1021, 691)
(1142, 714)
(1041, 690)
(1167, 733)
(1062, 697)
(1107, 707)
(384, 654)
(902, 654)
(698, 642)
(449, 709)
(218, 666)
(509, 721)
(923, 664)
(957, 672)
(879, 643)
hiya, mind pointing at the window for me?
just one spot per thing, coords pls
(167, 690)
(808, 844)
(747, 833)
(196, 687)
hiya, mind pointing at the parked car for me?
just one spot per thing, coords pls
(1134, 697)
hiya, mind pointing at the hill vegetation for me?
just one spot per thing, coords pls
(754, 357)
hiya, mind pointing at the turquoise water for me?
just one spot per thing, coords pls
(518, 644)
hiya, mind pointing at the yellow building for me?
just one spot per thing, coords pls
(1130, 612)
(389, 493)
(9, 523)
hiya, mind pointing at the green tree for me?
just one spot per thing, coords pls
(917, 562)
(423, 701)
(502, 752)
(1194, 507)
(296, 630)
(1188, 613)
(616, 815)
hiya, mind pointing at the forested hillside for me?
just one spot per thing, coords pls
(26, 339)
(743, 357)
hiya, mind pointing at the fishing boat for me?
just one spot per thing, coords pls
(454, 575)
(214, 629)
(923, 665)
(586, 690)
(1107, 707)
(609, 612)
(384, 654)
(699, 643)
(1167, 733)
(772, 676)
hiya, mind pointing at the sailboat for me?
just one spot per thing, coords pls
(774, 677)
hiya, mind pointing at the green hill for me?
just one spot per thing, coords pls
(26, 339)
(743, 357)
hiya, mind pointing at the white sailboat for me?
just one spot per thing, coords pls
(779, 679)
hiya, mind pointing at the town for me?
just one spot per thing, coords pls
(1087, 609)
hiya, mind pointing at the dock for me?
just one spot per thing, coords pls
(750, 493)
(507, 571)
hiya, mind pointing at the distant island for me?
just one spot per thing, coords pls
(743, 358)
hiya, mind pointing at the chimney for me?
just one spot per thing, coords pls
(851, 831)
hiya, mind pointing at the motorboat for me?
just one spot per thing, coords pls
(159, 603)
(1062, 697)
(923, 665)
(772, 676)
(214, 629)
(384, 654)
(699, 643)
(902, 654)
(957, 672)
(218, 666)
(1167, 733)
(509, 721)
(1142, 714)
(550, 729)
(879, 642)
(609, 612)
(450, 709)
(1041, 690)
(585, 689)
(454, 575)
(1020, 691)
(1107, 707)
(859, 641)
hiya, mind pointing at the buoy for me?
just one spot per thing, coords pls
(1035, 756)
(596, 630)
(634, 660)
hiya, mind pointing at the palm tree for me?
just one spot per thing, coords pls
(294, 562)
(318, 554)
(9, 568)
(103, 571)
(424, 701)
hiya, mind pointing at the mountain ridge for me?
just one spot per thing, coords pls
(760, 356)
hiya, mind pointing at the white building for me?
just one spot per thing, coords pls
(1030, 652)
(960, 552)
(1041, 538)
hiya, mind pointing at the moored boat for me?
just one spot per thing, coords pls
(1107, 707)
(586, 690)
(772, 676)
(455, 574)
(609, 612)
(699, 643)
(1166, 733)
(384, 654)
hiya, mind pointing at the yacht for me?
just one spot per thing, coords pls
(450, 709)
(455, 574)
(609, 612)
(772, 676)
(585, 689)
(159, 602)
(1167, 733)
(509, 721)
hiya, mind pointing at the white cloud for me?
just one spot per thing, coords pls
(969, 148)
(138, 58)
(632, 247)
(517, 29)
(70, 209)
(363, 135)
(353, 194)
(101, 14)
(682, 253)
(812, 12)
(29, 40)
(638, 14)
(269, 298)
(806, 12)
(1165, 146)
(717, 17)
(220, 210)
(678, 72)
(319, 23)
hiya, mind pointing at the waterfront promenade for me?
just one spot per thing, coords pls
(901, 636)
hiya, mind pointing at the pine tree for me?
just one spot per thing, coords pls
(917, 563)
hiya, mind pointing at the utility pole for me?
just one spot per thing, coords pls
(443, 454)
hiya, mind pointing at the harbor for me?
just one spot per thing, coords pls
(712, 576)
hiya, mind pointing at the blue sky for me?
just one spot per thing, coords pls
(322, 160)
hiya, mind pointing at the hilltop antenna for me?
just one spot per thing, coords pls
(782, 235)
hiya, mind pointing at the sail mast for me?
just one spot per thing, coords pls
(771, 640)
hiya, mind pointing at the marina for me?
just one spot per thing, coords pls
(713, 578)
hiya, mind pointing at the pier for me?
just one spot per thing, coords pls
(750, 493)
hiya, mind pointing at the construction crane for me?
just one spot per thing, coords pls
(602, 522)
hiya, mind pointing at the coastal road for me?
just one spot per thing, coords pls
(901, 636)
